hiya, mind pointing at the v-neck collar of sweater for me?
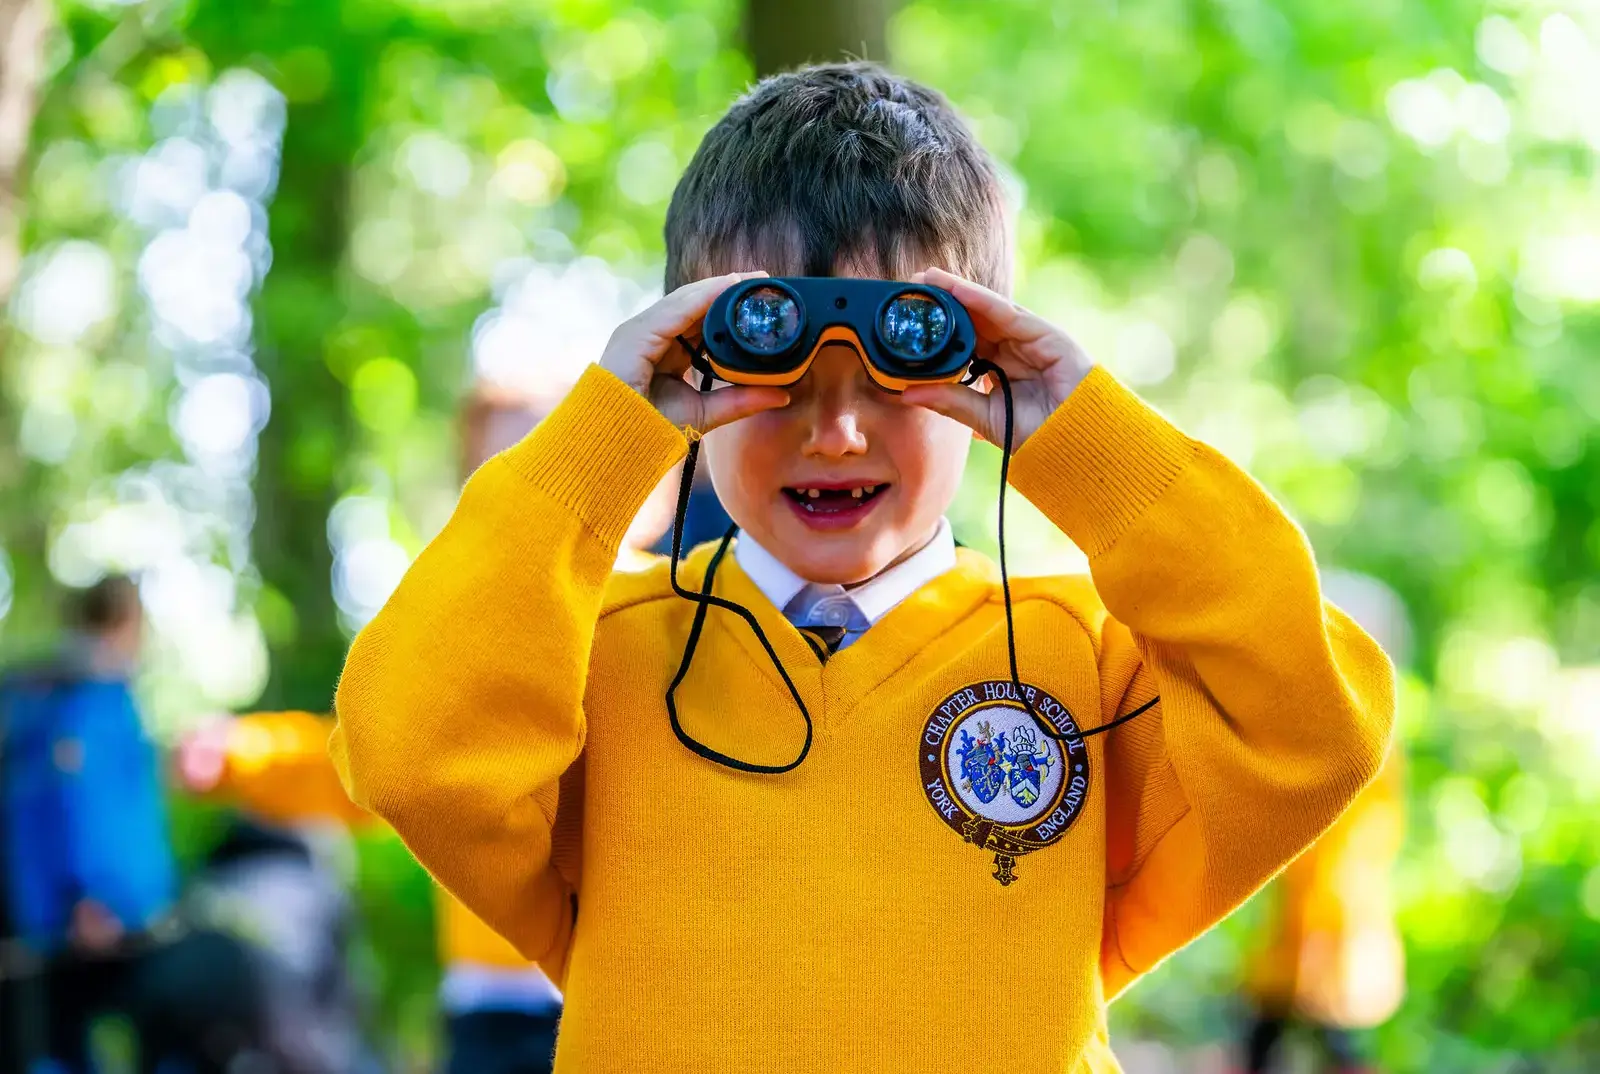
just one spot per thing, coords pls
(875, 597)
(853, 672)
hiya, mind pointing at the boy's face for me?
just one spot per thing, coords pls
(839, 433)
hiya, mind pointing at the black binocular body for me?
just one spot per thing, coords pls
(768, 331)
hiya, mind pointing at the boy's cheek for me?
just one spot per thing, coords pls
(738, 458)
(723, 447)
(931, 452)
(761, 439)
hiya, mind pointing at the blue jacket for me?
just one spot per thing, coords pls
(82, 804)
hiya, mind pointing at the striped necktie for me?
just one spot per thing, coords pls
(827, 616)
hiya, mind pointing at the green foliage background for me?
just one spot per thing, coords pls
(1355, 245)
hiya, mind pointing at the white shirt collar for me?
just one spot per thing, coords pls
(875, 597)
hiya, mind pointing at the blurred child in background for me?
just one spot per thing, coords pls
(89, 871)
(274, 904)
(91, 882)
(501, 1011)
(1331, 962)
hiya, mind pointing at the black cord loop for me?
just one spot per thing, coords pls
(980, 367)
(704, 599)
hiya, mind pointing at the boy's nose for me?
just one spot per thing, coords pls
(835, 403)
(835, 434)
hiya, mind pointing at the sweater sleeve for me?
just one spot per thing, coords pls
(460, 706)
(1274, 710)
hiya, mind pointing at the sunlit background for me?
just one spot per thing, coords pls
(252, 254)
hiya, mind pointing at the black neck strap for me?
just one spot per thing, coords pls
(705, 599)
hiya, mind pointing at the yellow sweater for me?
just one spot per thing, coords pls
(504, 712)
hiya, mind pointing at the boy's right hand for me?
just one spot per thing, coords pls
(644, 353)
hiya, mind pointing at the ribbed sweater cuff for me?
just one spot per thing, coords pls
(1099, 461)
(600, 453)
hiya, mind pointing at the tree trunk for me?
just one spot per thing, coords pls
(304, 447)
(786, 33)
(24, 28)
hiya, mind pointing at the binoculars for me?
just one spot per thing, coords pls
(768, 331)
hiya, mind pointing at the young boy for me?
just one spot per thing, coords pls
(867, 910)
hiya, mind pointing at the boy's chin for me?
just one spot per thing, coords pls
(843, 559)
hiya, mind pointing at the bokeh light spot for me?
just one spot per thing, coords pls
(67, 291)
(383, 394)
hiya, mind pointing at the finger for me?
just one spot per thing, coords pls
(679, 358)
(992, 313)
(682, 309)
(679, 355)
(956, 401)
(684, 305)
(730, 404)
(650, 330)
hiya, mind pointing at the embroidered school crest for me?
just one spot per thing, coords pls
(995, 778)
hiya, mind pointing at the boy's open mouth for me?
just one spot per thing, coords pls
(832, 506)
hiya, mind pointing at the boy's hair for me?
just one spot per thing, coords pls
(833, 165)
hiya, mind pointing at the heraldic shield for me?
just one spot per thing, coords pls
(981, 762)
(1026, 764)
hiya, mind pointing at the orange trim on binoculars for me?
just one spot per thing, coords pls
(781, 379)
(837, 333)
(895, 384)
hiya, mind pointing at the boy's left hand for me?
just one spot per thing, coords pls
(1043, 363)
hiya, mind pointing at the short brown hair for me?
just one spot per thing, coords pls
(839, 164)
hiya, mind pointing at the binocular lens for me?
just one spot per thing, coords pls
(915, 327)
(766, 320)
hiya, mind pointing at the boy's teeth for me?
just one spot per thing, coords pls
(808, 495)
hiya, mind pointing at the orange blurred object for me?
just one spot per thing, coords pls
(1333, 954)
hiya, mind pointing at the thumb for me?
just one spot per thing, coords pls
(730, 404)
(969, 407)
